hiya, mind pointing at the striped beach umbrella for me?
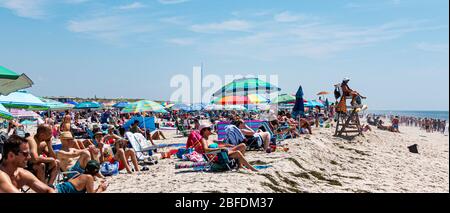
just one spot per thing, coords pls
(240, 100)
(246, 86)
(88, 105)
(11, 81)
(21, 113)
(144, 106)
(4, 113)
(22, 100)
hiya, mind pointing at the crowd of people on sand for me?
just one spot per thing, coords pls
(28, 158)
(90, 139)
(427, 124)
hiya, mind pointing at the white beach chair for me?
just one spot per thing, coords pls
(141, 146)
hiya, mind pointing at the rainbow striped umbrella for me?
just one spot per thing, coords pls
(144, 106)
(4, 113)
(240, 100)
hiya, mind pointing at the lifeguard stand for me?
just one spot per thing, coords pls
(349, 122)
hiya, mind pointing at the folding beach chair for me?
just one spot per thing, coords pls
(142, 147)
(277, 138)
(219, 161)
(182, 130)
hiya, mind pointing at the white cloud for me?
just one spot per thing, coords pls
(76, 1)
(352, 5)
(288, 17)
(311, 40)
(181, 41)
(178, 20)
(172, 1)
(428, 47)
(232, 25)
(26, 8)
(134, 5)
(112, 29)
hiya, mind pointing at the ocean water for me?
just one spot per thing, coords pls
(443, 115)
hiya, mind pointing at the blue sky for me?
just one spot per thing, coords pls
(395, 51)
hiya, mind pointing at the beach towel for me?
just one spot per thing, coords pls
(194, 141)
(234, 135)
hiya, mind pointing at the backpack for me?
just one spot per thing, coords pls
(110, 169)
(337, 93)
(3, 139)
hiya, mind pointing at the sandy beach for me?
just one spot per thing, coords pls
(375, 163)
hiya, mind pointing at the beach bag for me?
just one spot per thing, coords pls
(414, 149)
(194, 157)
(110, 169)
(337, 93)
(183, 151)
(3, 139)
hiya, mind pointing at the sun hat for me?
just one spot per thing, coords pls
(346, 79)
(66, 136)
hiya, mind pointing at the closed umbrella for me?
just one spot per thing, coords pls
(22, 100)
(299, 107)
(11, 81)
(4, 113)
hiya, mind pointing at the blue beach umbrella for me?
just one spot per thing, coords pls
(88, 105)
(121, 105)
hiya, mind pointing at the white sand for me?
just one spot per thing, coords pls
(378, 162)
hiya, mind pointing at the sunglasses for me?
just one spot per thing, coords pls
(25, 154)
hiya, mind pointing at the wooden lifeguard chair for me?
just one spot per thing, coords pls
(348, 122)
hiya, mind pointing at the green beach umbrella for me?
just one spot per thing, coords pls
(246, 86)
(144, 106)
(284, 98)
(56, 105)
(22, 100)
(11, 81)
(4, 113)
